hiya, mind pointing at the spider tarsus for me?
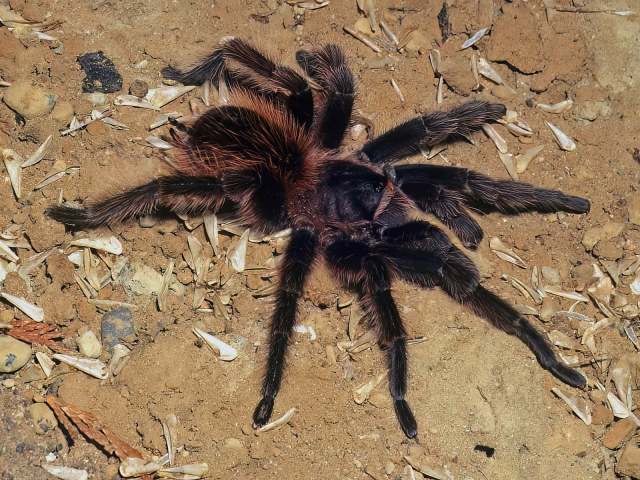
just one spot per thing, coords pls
(73, 217)
(263, 411)
(405, 418)
(568, 375)
(576, 204)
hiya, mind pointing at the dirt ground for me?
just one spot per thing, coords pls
(470, 384)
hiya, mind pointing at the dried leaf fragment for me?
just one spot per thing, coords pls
(73, 417)
(37, 333)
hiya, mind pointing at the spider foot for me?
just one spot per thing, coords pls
(262, 413)
(405, 418)
(74, 217)
(568, 375)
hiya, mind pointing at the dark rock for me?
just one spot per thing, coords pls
(117, 326)
(102, 75)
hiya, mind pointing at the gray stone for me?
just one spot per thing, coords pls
(14, 354)
(43, 418)
(117, 326)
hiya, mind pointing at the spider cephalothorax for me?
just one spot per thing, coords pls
(274, 156)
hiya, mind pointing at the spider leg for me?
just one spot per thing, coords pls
(243, 66)
(298, 261)
(488, 194)
(362, 270)
(431, 129)
(179, 194)
(459, 185)
(459, 279)
(328, 67)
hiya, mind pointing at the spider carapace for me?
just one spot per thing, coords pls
(274, 156)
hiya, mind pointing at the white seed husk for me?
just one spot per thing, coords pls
(362, 393)
(225, 351)
(279, 421)
(159, 97)
(509, 163)
(66, 473)
(133, 101)
(192, 471)
(237, 256)
(495, 137)
(136, 467)
(119, 357)
(6, 252)
(563, 140)
(579, 406)
(524, 159)
(29, 309)
(475, 37)
(158, 142)
(13, 163)
(556, 108)
(104, 244)
(486, 70)
(90, 366)
(39, 153)
(505, 253)
(45, 363)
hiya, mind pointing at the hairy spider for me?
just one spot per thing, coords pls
(274, 156)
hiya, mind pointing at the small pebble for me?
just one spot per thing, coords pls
(634, 210)
(417, 42)
(117, 327)
(601, 415)
(618, 433)
(629, 462)
(147, 221)
(28, 100)
(62, 113)
(8, 383)
(14, 354)
(97, 99)
(89, 344)
(139, 88)
(97, 129)
(43, 418)
(389, 468)
(551, 275)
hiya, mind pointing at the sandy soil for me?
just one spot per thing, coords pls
(470, 384)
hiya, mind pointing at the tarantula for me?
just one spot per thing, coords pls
(274, 156)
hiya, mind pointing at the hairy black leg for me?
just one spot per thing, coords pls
(243, 66)
(459, 278)
(298, 260)
(366, 272)
(431, 129)
(484, 193)
(328, 67)
(178, 194)
(448, 207)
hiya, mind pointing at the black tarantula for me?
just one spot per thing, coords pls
(274, 156)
